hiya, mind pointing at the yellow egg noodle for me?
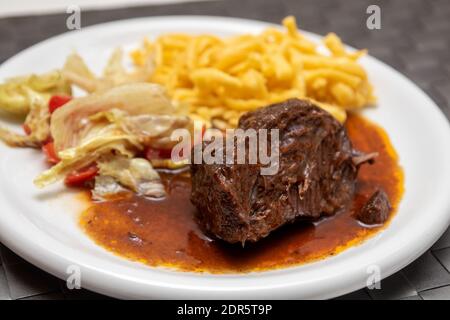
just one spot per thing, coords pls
(219, 79)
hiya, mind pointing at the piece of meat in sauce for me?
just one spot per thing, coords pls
(316, 176)
(376, 209)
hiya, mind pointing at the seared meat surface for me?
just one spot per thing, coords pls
(316, 177)
(376, 210)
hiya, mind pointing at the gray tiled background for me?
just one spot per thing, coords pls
(414, 39)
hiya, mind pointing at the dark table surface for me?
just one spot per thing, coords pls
(414, 39)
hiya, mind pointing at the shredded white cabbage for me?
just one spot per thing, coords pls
(14, 93)
(136, 174)
(70, 123)
(78, 73)
(118, 122)
(37, 121)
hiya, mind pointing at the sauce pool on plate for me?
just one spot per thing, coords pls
(164, 232)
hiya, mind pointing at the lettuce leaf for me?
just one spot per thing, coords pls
(37, 120)
(70, 123)
(14, 93)
(136, 174)
(77, 73)
(87, 153)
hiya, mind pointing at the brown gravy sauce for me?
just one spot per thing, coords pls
(164, 233)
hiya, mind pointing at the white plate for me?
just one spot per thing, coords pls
(41, 226)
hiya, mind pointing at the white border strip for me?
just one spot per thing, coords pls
(27, 7)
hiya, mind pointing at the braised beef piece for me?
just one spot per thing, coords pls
(316, 176)
(376, 210)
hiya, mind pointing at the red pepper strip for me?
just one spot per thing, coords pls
(56, 102)
(203, 130)
(79, 177)
(26, 129)
(50, 153)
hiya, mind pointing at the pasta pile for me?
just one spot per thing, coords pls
(219, 79)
